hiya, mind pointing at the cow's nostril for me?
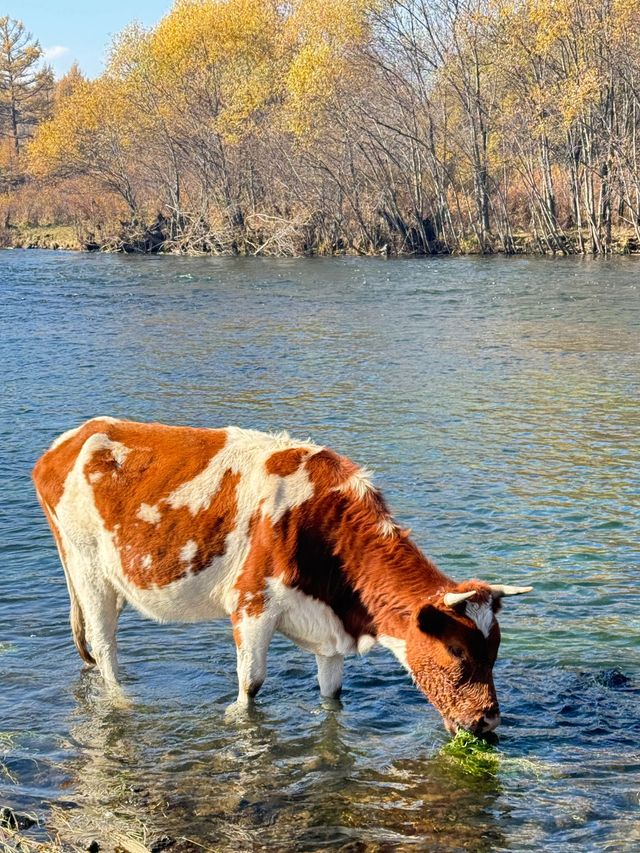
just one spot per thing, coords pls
(490, 722)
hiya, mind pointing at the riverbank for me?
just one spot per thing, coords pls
(62, 830)
(37, 838)
(42, 237)
(151, 240)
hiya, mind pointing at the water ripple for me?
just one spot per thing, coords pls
(498, 403)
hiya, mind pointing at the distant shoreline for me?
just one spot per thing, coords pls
(67, 238)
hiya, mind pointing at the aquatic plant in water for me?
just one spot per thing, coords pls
(479, 757)
(472, 754)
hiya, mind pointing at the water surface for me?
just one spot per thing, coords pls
(497, 402)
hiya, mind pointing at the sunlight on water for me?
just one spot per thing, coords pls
(497, 402)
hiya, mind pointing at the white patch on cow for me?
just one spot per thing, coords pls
(481, 614)
(359, 483)
(188, 551)
(287, 493)
(71, 432)
(196, 494)
(397, 646)
(387, 528)
(95, 476)
(101, 441)
(246, 453)
(64, 437)
(148, 513)
(119, 452)
(310, 623)
(146, 561)
(365, 643)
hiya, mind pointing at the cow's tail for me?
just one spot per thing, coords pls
(76, 618)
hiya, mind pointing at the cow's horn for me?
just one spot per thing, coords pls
(452, 598)
(498, 590)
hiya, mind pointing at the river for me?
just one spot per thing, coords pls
(497, 402)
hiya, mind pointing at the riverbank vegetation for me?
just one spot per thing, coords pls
(330, 126)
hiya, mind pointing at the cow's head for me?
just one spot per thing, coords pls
(452, 645)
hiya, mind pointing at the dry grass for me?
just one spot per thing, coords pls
(40, 237)
(74, 837)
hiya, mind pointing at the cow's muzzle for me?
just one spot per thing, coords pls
(489, 722)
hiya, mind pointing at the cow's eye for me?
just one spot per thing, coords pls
(456, 651)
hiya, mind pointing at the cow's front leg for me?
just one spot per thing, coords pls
(330, 672)
(252, 635)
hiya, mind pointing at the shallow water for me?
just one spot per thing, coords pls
(497, 401)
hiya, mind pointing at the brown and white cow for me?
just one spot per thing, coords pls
(279, 535)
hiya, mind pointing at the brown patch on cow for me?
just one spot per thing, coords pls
(328, 470)
(299, 548)
(152, 553)
(257, 567)
(52, 469)
(303, 551)
(286, 462)
(158, 460)
(331, 548)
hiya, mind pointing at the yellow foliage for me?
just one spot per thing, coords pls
(334, 21)
(576, 94)
(82, 133)
(319, 35)
(238, 31)
(221, 63)
(550, 21)
(311, 77)
(625, 22)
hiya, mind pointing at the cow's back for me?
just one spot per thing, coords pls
(165, 513)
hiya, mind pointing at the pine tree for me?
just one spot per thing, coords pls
(25, 86)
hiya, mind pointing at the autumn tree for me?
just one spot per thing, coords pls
(25, 87)
(95, 132)
(392, 126)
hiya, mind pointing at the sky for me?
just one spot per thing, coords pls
(81, 31)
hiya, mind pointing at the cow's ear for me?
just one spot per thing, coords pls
(431, 620)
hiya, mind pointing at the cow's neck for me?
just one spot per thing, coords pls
(394, 579)
(389, 573)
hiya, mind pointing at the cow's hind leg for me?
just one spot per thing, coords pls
(252, 635)
(330, 672)
(102, 621)
(100, 606)
(95, 605)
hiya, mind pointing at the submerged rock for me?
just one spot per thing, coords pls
(15, 820)
(612, 678)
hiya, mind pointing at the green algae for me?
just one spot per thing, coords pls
(472, 755)
(478, 757)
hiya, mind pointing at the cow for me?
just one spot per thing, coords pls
(191, 524)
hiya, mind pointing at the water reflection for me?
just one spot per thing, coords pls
(240, 781)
